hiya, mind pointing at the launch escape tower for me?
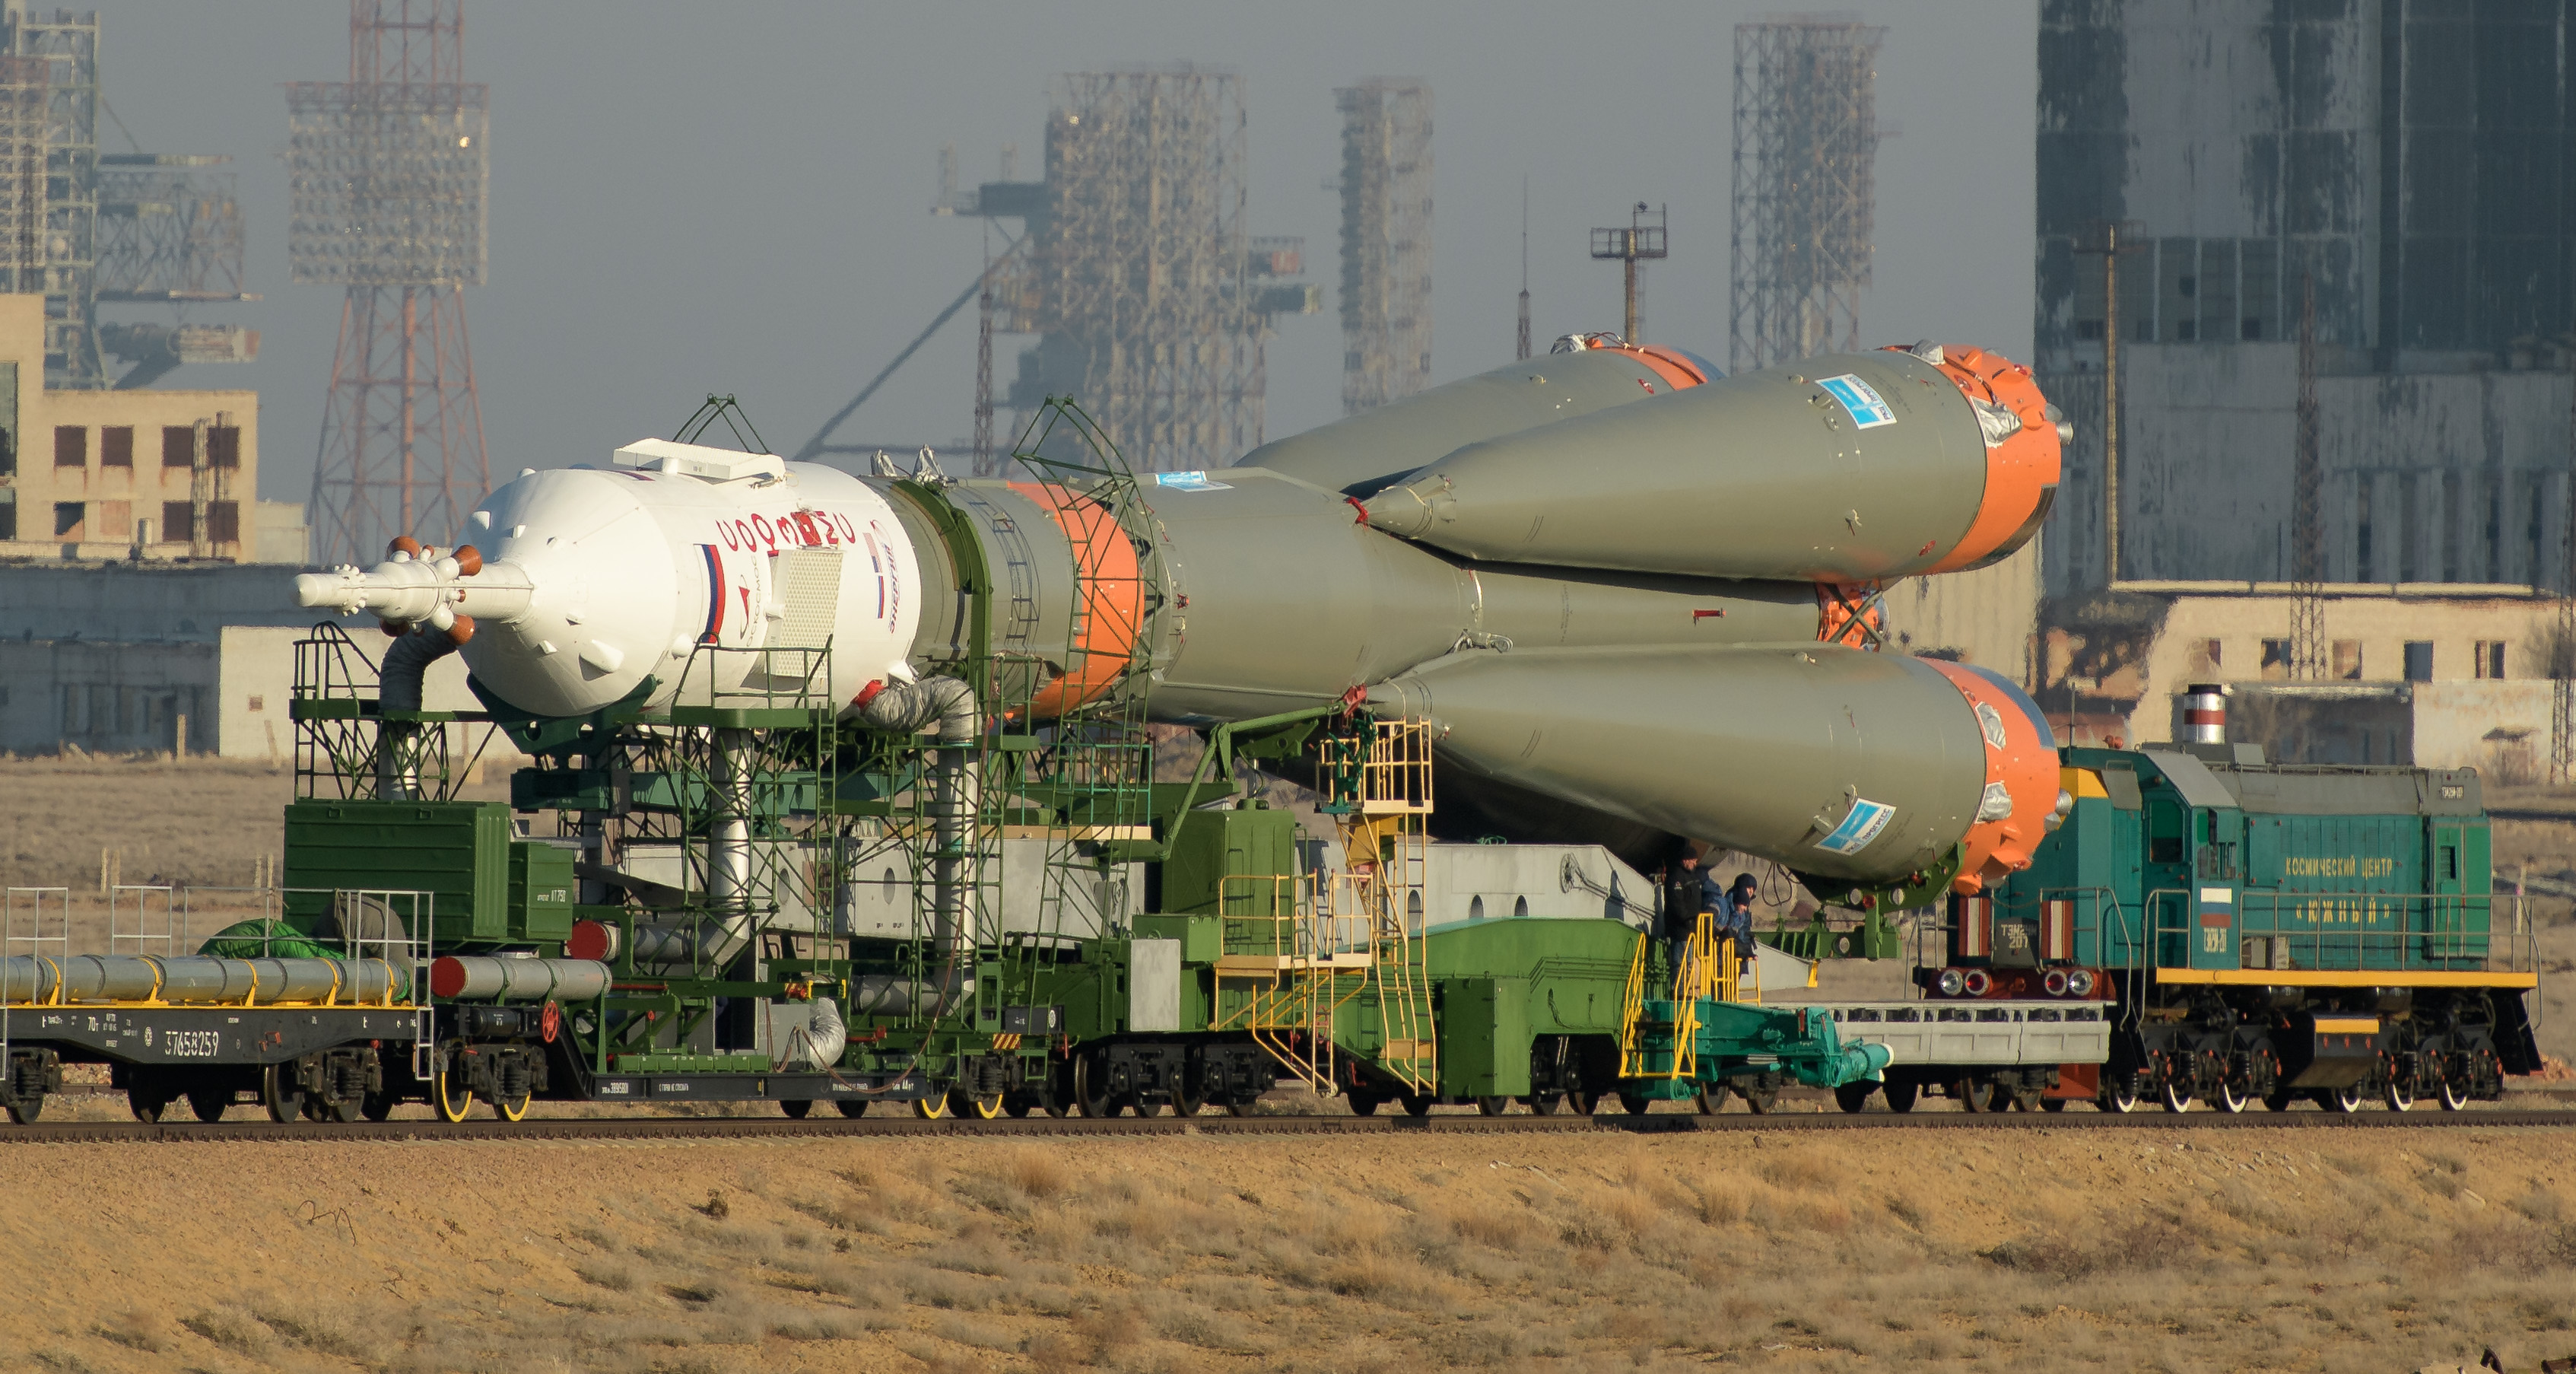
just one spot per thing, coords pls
(1806, 143)
(1386, 240)
(388, 174)
(1136, 270)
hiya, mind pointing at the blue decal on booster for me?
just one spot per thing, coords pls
(1861, 826)
(1861, 400)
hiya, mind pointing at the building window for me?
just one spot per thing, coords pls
(116, 446)
(67, 519)
(2489, 656)
(2419, 660)
(223, 446)
(178, 446)
(71, 446)
(2188, 331)
(115, 520)
(178, 522)
(2203, 658)
(8, 451)
(8, 516)
(259, 703)
(2276, 660)
(223, 522)
(2089, 331)
(2364, 566)
(2347, 659)
(2252, 329)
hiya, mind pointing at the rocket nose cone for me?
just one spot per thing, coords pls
(2020, 796)
(605, 587)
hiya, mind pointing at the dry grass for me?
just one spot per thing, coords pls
(2182, 1251)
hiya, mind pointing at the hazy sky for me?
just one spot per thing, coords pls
(691, 197)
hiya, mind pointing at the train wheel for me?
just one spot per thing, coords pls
(2278, 1100)
(1544, 1104)
(1901, 1095)
(25, 1110)
(796, 1107)
(2052, 1104)
(449, 1097)
(316, 1107)
(280, 1093)
(1145, 1108)
(1188, 1104)
(1584, 1103)
(1417, 1104)
(2176, 1095)
(377, 1106)
(1094, 1100)
(930, 1108)
(1969, 1094)
(2344, 1100)
(208, 1104)
(1493, 1106)
(1636, 1104)
(1852, 1097)
(2455, 1095)
(852, 1106)
(1759, 1100)
(2119, 1096)
(2400, 1097)
(1363, 1104)
(1018, 1106)
(512, 1108)
(1710, 1100)
(967, 1105)
(147, 1107)
(2231, 1099)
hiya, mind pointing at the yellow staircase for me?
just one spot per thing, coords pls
(1300, 952)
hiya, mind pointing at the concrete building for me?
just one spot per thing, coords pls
(1989, 617)
(141, 475)
(2438, 675)
(223, 694)
(2410, 160)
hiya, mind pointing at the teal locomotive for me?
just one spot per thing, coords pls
(2261, 933)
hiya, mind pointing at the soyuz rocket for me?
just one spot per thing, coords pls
(1631, 595)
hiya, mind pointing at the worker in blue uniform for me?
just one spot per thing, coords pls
(1732, 910)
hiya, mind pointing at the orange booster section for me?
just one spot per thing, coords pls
(2024, 447)
(2021, 776)
(1108, 602)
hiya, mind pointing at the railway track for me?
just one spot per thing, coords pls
(747, 1128)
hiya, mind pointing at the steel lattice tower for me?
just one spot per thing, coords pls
(388, 174)
(1806, 143)
(2307, 599)
(67, 43)
(1386, 240)
(22, 175)
(1146, 262)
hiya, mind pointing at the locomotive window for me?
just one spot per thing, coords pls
(1906, 1014)
(2165, 831)
(2045, 1014)
(1994, 1015)
(1858, 1014)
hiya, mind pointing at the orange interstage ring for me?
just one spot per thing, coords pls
(2021, 472)
(1109, 602)
(2025, 763)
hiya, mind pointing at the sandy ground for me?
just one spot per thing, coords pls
(2186, 1251)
